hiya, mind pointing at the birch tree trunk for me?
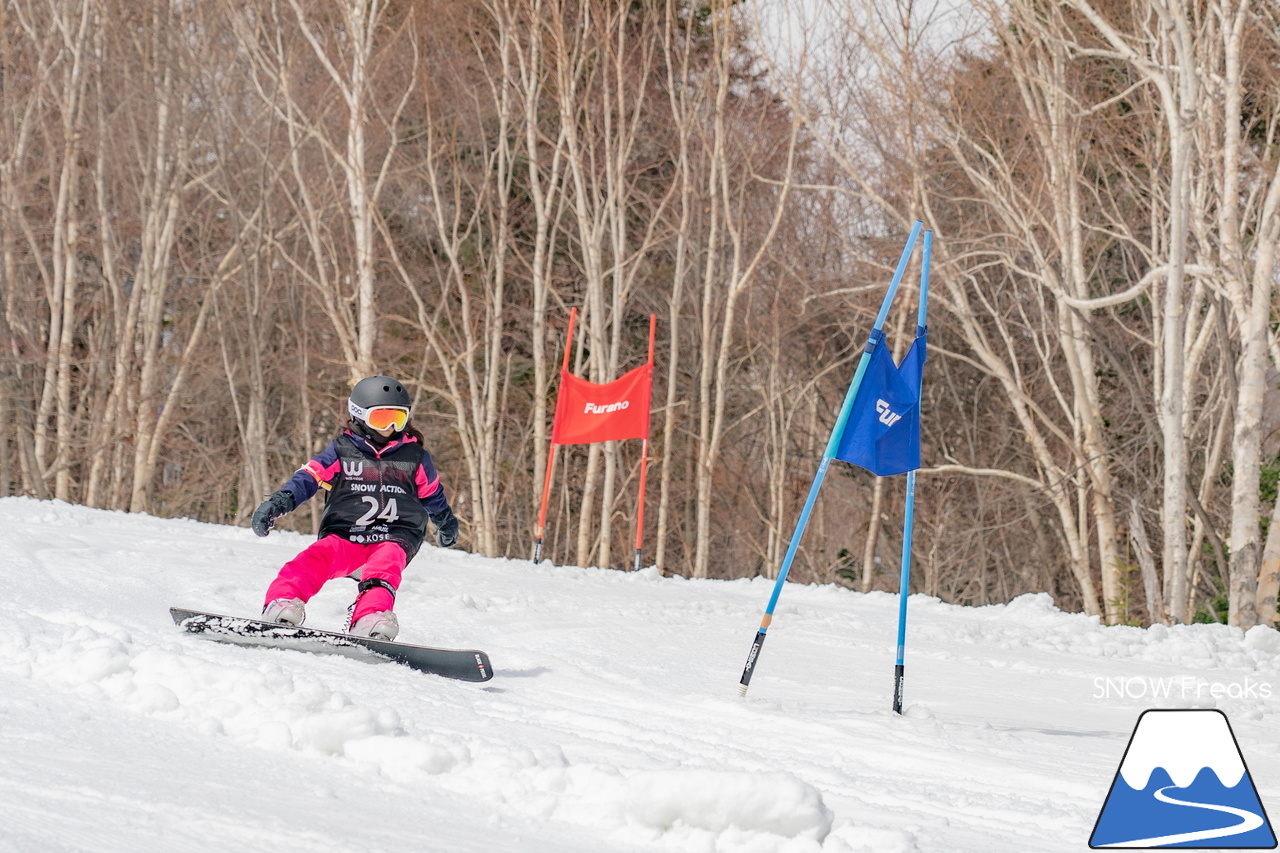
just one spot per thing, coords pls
(74, 20)
(362, 20)
(30, 51)
(630, 64)
(677, 50)
(485, 379)
(571, 34)
(347, 54)
(108, 430)
(725, 279)
(544, 165)
(159, 201)
(1251, 594)
(1167, 60)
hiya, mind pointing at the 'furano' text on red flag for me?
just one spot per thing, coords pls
(587, 413)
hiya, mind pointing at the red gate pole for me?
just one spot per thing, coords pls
(644, 452)
(551, 450)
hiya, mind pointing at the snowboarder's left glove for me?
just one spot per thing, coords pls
(446, 528)
(264, 518)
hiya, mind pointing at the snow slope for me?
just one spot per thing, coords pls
(613, 723)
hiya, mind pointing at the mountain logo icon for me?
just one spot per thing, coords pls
(1183, 783)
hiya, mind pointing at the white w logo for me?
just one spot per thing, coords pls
(887, 416)
(352, 468)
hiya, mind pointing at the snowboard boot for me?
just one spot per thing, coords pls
(289, 611)
(382, 625)
(370, 614)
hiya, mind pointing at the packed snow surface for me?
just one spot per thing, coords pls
(613, 722)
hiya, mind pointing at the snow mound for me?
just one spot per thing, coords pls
(1262, 639)
(268, 706)
(869, 839)
(404, 759)
(725, 801)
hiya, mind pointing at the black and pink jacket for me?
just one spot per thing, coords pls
(374, 494)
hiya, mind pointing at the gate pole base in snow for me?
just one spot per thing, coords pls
(745, 682)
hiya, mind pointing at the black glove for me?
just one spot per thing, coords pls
(446, 528)
(264, 517)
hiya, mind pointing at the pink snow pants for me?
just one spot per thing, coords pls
(334, 557)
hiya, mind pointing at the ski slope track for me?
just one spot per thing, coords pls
(613, 722)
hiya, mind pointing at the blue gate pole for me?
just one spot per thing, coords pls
(833, 444)
(904, 583)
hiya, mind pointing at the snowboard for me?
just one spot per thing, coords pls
(461, 664)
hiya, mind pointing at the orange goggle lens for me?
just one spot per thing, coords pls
(388, 418)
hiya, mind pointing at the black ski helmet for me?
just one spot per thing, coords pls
(372, 393)
(375, 391)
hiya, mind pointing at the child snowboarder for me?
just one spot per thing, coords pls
(382, 487)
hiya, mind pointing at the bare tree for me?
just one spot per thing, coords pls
(346, 45)
(734, 253)
(545, 160)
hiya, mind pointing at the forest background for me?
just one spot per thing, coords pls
(216, 214)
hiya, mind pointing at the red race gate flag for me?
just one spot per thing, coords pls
(617, 410)
(587, 413)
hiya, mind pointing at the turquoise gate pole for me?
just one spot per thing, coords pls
(904, 583)
(832, 444)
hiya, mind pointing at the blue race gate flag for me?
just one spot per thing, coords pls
(886, 399)
(883, 430)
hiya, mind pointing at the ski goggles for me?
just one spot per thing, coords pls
(381, 417)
